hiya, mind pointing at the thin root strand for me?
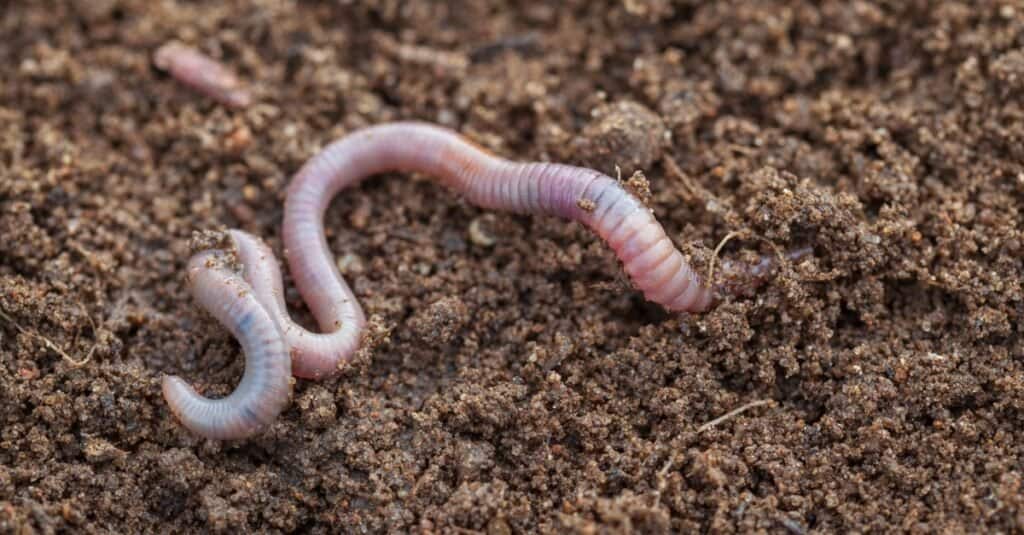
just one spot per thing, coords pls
(735, 412)
(50, 344)
(714, 257)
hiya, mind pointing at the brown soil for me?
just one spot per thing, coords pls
(517, 383)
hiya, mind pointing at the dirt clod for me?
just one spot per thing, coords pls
(624, 134)
(439, 322)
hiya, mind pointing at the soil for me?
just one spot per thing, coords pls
(516, 382)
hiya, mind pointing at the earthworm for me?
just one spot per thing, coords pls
(252, 304)
(266, 383)
(656, 267)
(202, 73)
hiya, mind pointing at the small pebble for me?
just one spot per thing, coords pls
(238, 140)
(351, 264)
(250, 192)
(98, 450)
(478, 233)
(439, 322)
(624, 134)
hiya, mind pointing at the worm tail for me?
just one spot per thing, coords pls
(266, 384)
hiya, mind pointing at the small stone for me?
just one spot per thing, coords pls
(98, 450)
(250, 192)
(238, 140)
(624, 134)
(440, 322)
(351, 264)
(478, 233)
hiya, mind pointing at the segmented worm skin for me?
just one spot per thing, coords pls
(656, 267)
(265, 387)
(202, 73)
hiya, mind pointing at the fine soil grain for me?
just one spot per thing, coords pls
(512, 381)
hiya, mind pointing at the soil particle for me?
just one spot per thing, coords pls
(638, 185)
(439, 322)
(100, 451)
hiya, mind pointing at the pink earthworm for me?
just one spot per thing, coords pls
(253, 304)
(202, 73)
(655, 265)
(265, 387)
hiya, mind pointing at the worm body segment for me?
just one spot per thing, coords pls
(266, 384)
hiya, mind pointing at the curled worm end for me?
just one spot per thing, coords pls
(266, 384)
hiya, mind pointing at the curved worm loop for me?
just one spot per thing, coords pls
(656, 267)
(266, 384)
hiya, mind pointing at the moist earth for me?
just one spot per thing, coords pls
(513, 381)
